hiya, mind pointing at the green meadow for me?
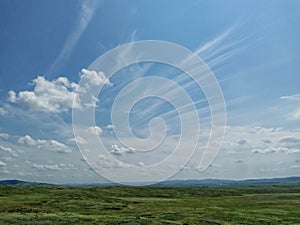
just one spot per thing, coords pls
(150, 205)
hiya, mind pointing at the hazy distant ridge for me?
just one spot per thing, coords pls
(206, 182)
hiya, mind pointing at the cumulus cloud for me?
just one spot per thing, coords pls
(104, 162)
(119, 150)
(49, 145)
(261, 140)
(38, 166)
(8, 150)
(93, 77)
(290, 139)
(290, 142)
(48, 96)
(45, 166)
(110, 126)
(77, 139)
(266, 150)
(95, 130)
(27, 140)
(58, 95)
(92, 103)
(51, 166)
(284, 149)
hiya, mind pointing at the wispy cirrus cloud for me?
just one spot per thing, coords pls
(295, 114)
(295, 97)
(87, 10)
(221, 48)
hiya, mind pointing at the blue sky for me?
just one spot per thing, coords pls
(252, 47)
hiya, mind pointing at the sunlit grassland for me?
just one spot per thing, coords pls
(150, 205)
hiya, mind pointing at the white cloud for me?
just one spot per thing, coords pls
(38, 166)
(110, 126)
(296, 114)
(2, 164)
(210, 47)
(295, 97)
(77, 139)
(271, 150)
(87, 10)
(93, 102)
(8, 150)
(262, 140)
(290, 142)
(46, 166)
(48, 96)
(51, 166)
(12, 96)
(3, 111)
(140, 164)
(95, 130)
(27, 140)
(4, 135)
(49, 145)
(58, 95)
(104, 162)
(119, 150)
(66, 166)
(93, 77)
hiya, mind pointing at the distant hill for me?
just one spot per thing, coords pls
(22, 183)
(178, 183)
(217, 182)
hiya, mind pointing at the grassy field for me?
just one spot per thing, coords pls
(150, 205)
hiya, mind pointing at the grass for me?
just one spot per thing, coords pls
(150, 205)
